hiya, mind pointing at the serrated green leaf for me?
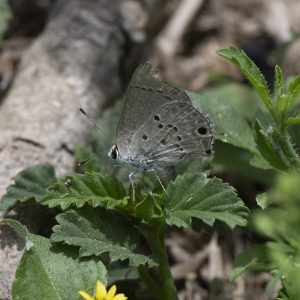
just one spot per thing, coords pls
(251, 71)
(91, 187)
(99, 231)
(255, 258)
(30, 185)
(53, 272)
(267, 149)
(208, 199)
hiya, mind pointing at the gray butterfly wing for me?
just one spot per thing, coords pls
(174, 132)
(145, 93)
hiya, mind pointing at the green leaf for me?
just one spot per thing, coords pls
(279, 82)
(30, 185)
(251, 71)
(149, 207)
(294, 90)
(267, 149)
(5, 16)
(263, 200)
(91, 187)
(226, 120)
(208, 199)
(99, 231)
(53, 272)
(255, 258)
(282, 106)
(242, 98)
(293, 120)
(223, 162)
(120, 272)
(280, 94)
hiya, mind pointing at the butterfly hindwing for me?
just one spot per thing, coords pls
(174, 132)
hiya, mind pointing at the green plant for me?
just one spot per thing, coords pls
(102, 232)
(279, 221)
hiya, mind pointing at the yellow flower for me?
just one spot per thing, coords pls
(102, 294)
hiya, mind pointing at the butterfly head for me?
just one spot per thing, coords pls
(114, 152)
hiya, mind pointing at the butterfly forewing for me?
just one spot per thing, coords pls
(145, 93)
(159, 126)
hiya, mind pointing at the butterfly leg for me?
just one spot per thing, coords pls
(159, 180)
(131, 175)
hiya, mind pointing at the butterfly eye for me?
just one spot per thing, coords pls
(144, 137)
(114, 152)
(208, 152)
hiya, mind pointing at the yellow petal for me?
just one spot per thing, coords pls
(85, 295)
(120, 297)
(111, 293)
(100, 291)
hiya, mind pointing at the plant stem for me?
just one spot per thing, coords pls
(150, 283)
(156, 236)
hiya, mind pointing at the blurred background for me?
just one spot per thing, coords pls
(58, 55)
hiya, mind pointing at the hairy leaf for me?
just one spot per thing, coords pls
(91, 187)
(279, 82)
(30, 185)
(208, 199)
(53, 272)
(267, 148)
(251, 71)
(294, 90)
(99, 231)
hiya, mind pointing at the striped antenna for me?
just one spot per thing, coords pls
(91, 119)
(81, 163)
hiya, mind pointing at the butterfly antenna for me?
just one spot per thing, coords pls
(92, 120)
(81, 163)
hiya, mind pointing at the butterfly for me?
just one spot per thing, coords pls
(159, 126)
